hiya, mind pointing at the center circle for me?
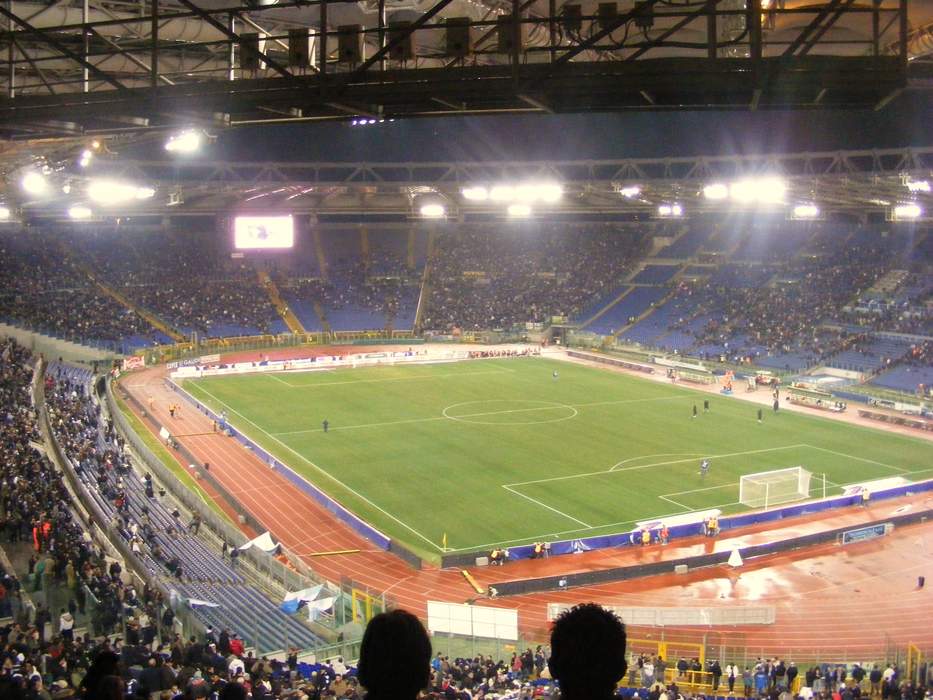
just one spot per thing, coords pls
(509, 412)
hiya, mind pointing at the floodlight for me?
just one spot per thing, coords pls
(433, 211)
(670, 210)
(630, 191)
(86, 156)
(806, 211)
(716, 191)
(187, 141)
(519, 211)
(4, 213)
(79, 211)
(475, 193)
(34, 183)
(502, 193)
(525, 192)
(113, 192)
(907, 211)
(763, 190)
(919, 186)
(550, 192)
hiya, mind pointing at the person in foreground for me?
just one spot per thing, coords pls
(587, 652)
(395, 657)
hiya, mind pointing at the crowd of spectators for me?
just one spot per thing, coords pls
(484, 278)
(786, 315)
(35, 506)
(41, 288)
(184, 277)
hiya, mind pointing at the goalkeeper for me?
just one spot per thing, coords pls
(704, 468)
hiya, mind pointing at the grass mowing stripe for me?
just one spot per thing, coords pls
(613, 470)
(861, 459)
(315, 385)
(439, 475)
(545, 505)
(322, 471)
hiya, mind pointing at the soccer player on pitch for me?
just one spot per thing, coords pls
(704, 468)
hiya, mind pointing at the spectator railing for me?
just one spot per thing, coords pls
(290, 579)
(97, 521)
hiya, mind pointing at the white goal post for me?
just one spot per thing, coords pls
(772, 488)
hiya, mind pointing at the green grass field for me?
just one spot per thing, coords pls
(499, 451)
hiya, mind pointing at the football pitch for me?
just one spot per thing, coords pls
(502, 452)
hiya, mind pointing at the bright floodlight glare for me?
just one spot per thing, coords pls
(4, 213)
(670, 210)
(550, 192)
(432, 211)
(475, 193)
(518, 210)
(502, 193)
(716, 191)
(187, 141)
(907, 211)
(764, 190)
(34, 183)
(79, 211)
(112, 192)
(86, 156)
(919, 186)
(806, 211)
(631, 191)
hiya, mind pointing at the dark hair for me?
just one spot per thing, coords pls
(232, 691)
(395, 656)
(587, 651)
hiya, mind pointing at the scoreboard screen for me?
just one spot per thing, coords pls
(263, 232)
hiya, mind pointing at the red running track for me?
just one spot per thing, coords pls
(830, 602)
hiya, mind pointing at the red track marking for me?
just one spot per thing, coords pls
(830, 602)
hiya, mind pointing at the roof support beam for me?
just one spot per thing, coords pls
(397, 40)
(827, 25)
(233, 36)
(45, 38)
(810, 28)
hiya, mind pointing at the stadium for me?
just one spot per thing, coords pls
(315, 311)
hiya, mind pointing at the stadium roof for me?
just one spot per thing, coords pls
(110, 65)
(850, 182)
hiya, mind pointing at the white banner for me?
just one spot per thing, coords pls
(263, 542)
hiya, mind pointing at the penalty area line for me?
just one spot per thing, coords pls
(545, 505)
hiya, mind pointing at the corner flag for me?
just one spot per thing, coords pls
(444, 541)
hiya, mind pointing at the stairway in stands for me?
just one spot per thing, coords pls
(153, 320)
(291, 320)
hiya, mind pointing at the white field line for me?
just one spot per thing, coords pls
(545, 505)
(861, 459)
(648, 466)
(325, 473)
(278, 379)
(673, 502)
(274, 375)
(551, 407)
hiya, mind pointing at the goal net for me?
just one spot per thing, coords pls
(766, 489)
